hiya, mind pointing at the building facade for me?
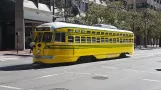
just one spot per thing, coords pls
(141, 4)
(23, 15)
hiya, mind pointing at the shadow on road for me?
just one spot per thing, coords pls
(42, 66)
(108, 59)
(16, 67)
(31, 66)
(158, 69)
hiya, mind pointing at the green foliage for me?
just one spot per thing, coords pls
(145, 23)
(114, 13)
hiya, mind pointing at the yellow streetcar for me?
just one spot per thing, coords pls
(60, 42)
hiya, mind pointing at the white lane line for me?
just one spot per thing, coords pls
(41, 77)
(130, 70)
(151, 80)
(10, 87)
(48, 76)
(79, 73)
(88, 73)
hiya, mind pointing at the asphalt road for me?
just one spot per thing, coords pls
(142, 71)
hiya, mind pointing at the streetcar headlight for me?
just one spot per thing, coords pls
(38, 51)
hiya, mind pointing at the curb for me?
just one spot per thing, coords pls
(146, 48)
(19, 55)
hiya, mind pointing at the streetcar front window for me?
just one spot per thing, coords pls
(44, 37)
(38, 37)
(47, 37)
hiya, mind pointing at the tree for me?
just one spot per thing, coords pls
(144, 23)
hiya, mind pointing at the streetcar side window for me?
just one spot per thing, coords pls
(93, 39)
(102, 33)
(114, 40)
(70, 39)
(110, 40)
(121, 41)
(83, 40)
(102, 40)
(106, 40)
(88, 32)
(70, 30)
(88, 39)
(60, 37)
(117, 40)
(77, 39)
(82, 31)
(98, 40)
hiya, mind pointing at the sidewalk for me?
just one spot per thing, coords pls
(149, 47)
(14, 52)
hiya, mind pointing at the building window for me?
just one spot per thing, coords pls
(86, 7)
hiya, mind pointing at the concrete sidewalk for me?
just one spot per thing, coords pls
(25, 52)
(149, 47)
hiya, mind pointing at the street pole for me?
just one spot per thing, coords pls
(53, 10)
(17, 44)
(145, 32)
(17, 34)
(134, 5)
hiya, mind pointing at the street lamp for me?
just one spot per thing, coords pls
(53, 10)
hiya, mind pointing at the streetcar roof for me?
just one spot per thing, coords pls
(56, 25)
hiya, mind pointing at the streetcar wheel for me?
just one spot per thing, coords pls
(85, 59)
(122, 55)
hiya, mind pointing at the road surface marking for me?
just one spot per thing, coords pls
(10, 87)
(130, 70)
(48, 76)
(152, 80)
(88, 73)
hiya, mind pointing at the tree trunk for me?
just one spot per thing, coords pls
(160, 42)
(145, 42)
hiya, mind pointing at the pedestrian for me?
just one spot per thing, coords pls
(31, 46)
